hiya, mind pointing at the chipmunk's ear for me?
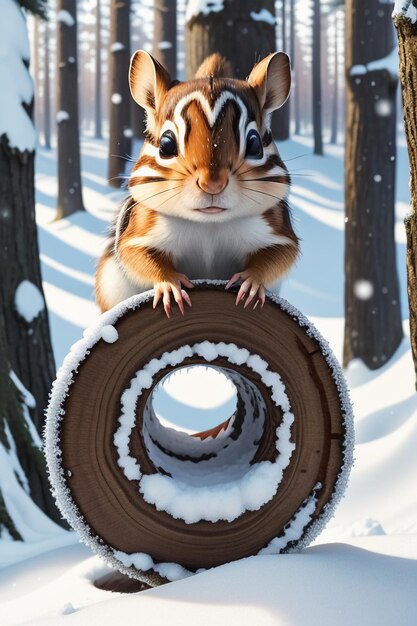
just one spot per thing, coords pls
(149, 81)
(271, 79)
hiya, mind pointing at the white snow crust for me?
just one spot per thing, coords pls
(28, 301)
(61, 387)
(16, 83)
(195, 7)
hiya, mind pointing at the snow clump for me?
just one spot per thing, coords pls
(263, 16)
(65, 18)
(28, 301)
(62, 116)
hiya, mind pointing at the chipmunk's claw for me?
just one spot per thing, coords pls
(249, 286)
(164, 289)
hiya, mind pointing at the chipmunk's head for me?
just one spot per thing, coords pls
(209, 154)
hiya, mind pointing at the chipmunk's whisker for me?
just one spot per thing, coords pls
(263, 193)
(168, 199)
(249, 198)
(249, 170)
(298, 157)
(159, 193)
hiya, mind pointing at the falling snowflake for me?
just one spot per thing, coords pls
(363, 289)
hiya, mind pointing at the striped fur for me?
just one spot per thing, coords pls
(166, 227)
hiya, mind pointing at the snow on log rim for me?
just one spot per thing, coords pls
(226, 500)
(55, 412)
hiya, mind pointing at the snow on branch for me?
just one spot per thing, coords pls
(263, 16)
(65, 18)
(195, 7)
(407, 9)
(388, 63)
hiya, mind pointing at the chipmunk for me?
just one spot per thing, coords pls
(208, 191)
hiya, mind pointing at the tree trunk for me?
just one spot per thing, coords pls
(407, 40)
(120, 141)
(335, 99)
(26, 360)
(281, 118)
(165, 34)
(68, 137)
(373, 329)
(232, 32)
(29, 345)
(97, 95)
(46, 91)
(317, 121)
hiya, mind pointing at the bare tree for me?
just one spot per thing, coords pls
(165, 34)
(97, 94)
(405, 21)
(120, 140)
(69, 164)
(46, 90)
(317, 116)
(373, 328)
(335, 96)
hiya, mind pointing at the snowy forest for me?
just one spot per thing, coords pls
(70, 134)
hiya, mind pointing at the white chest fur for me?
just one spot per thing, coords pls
(210, 250)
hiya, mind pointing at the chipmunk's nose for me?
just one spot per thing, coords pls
(212, 184)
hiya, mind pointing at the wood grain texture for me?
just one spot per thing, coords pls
(112, 505)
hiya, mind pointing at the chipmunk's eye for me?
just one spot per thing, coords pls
(168, 145)
(254, 148)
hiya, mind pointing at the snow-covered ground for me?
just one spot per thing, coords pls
(363, 568)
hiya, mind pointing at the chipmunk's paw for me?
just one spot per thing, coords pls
(163, 289)
(250, 287)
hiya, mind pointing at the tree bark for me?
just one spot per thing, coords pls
(335, 99)
(46, 91)
(233, 33)
(68, 136)
(29, 346)
(165, 35)
(407, 41)
(97, 95)
(373, 328)
(120, 141)
(317, 117)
